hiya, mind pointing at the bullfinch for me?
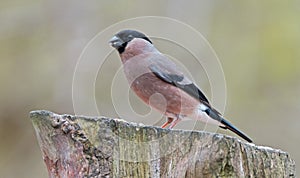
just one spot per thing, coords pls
(149, 72)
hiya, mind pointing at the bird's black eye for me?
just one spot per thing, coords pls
(128, 38)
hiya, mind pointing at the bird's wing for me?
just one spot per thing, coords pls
(167, 71)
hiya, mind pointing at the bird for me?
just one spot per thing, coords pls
(150, 72)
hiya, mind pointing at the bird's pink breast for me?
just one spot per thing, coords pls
(162, 96)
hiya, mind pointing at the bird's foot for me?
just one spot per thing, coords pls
(174, 123)
(169, 121)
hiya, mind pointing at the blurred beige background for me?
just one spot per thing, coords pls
(258, 44)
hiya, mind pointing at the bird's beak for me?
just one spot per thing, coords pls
(116, 42)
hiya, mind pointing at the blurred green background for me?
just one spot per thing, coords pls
(258, 43)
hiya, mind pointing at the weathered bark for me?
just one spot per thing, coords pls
(79, 146)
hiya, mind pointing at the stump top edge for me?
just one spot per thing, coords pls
(44, 114)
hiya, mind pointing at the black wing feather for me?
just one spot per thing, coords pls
(175, 80)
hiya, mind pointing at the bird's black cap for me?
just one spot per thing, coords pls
(121, 39)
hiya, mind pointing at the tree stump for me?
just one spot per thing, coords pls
(80, 146)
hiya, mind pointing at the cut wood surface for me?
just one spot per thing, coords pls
(81, 146)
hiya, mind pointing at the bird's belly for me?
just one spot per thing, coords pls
(163, 96)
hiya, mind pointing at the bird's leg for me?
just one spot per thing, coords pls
(174, 122)
(169, 121)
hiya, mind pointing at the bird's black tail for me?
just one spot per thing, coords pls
(227, 125)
